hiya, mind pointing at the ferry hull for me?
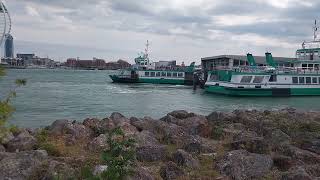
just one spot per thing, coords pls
(273, 92)
(116, 79)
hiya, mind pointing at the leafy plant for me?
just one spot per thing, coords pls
(6, 109)
(120, 157)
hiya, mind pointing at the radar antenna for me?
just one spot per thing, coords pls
(315, 29)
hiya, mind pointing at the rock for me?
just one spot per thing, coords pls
(312, 145)
(147, 123)
(283, 163)
(151, 153)
(98, 144)
(170, 171)
(128, 129)
(298, 173)
(196, 125)
(106, 125)
(145, 138)
(296, 153)
(251, 144)
(20, 166)
(277, 137)
(63, 127)
(197, 145)
(219, 118)
(23, 142)
(140, 173)
(181, 114)
(118, 118)
(193, 145)
(8, 137)
(240, 165)
(2, 148)
(94, 124)
(58, 127)
(185, 159)
(99, 169)
(170, 119)
(313, 170)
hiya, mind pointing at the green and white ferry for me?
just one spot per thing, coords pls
(302, 79)
(145, 72)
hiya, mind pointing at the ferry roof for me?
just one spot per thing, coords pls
(258, 59)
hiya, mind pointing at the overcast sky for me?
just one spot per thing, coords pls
(183, 30)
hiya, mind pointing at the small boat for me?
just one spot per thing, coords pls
(302, 79)
(145, 72)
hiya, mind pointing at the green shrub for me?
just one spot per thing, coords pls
(6, 109)
(217, 133)
(120, 157)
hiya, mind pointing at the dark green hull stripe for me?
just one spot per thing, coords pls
(263, 92)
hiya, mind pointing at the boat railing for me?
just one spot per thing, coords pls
(278, 70)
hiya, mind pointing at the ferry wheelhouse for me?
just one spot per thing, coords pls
(301, 79)
(145, 72)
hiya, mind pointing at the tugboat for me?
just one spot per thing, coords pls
(145, 72)
(302, 79)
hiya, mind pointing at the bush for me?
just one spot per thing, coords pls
(6, 109)
(120, 158)
(44, 143)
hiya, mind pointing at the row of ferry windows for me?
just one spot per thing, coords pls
(257, 79)
(163, 74)
(305, 80)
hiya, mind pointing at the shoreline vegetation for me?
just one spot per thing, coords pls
(244, 144)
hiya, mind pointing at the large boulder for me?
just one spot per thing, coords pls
(312, 145)
(151, 153)
(196, 125)
(251, 144)
(220, 118)
(240, 165)
(277, 137)
(298, 154)
(145, 138)
(140, 173)
(197, 145)
(2, 148)
(98, 144)
(23, 142)
(118, 118)
(20, 166)
(181, 114)
(182, 158)
(297, 173)
(63, 127)
(170, 171)
(7, 138)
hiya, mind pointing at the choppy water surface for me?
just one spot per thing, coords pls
(76, 95)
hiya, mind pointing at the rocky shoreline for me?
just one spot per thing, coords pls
(282, 144)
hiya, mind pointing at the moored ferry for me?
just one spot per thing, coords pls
(302, 79)
(145, 72)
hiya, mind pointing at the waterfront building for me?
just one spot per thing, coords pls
(8, 46)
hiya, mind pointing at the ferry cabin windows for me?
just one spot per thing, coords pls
(295, 80)
(163, 74)
(308, 80)
(246, 79)
(301, 80)
(174, 74)
(258, 79)
(314, 80)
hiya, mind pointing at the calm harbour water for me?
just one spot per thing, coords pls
(66, 94)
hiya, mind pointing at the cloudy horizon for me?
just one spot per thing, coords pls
(178, 30)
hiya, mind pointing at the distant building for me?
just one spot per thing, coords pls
(8, 46)
(86, 64)
(26, 58)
